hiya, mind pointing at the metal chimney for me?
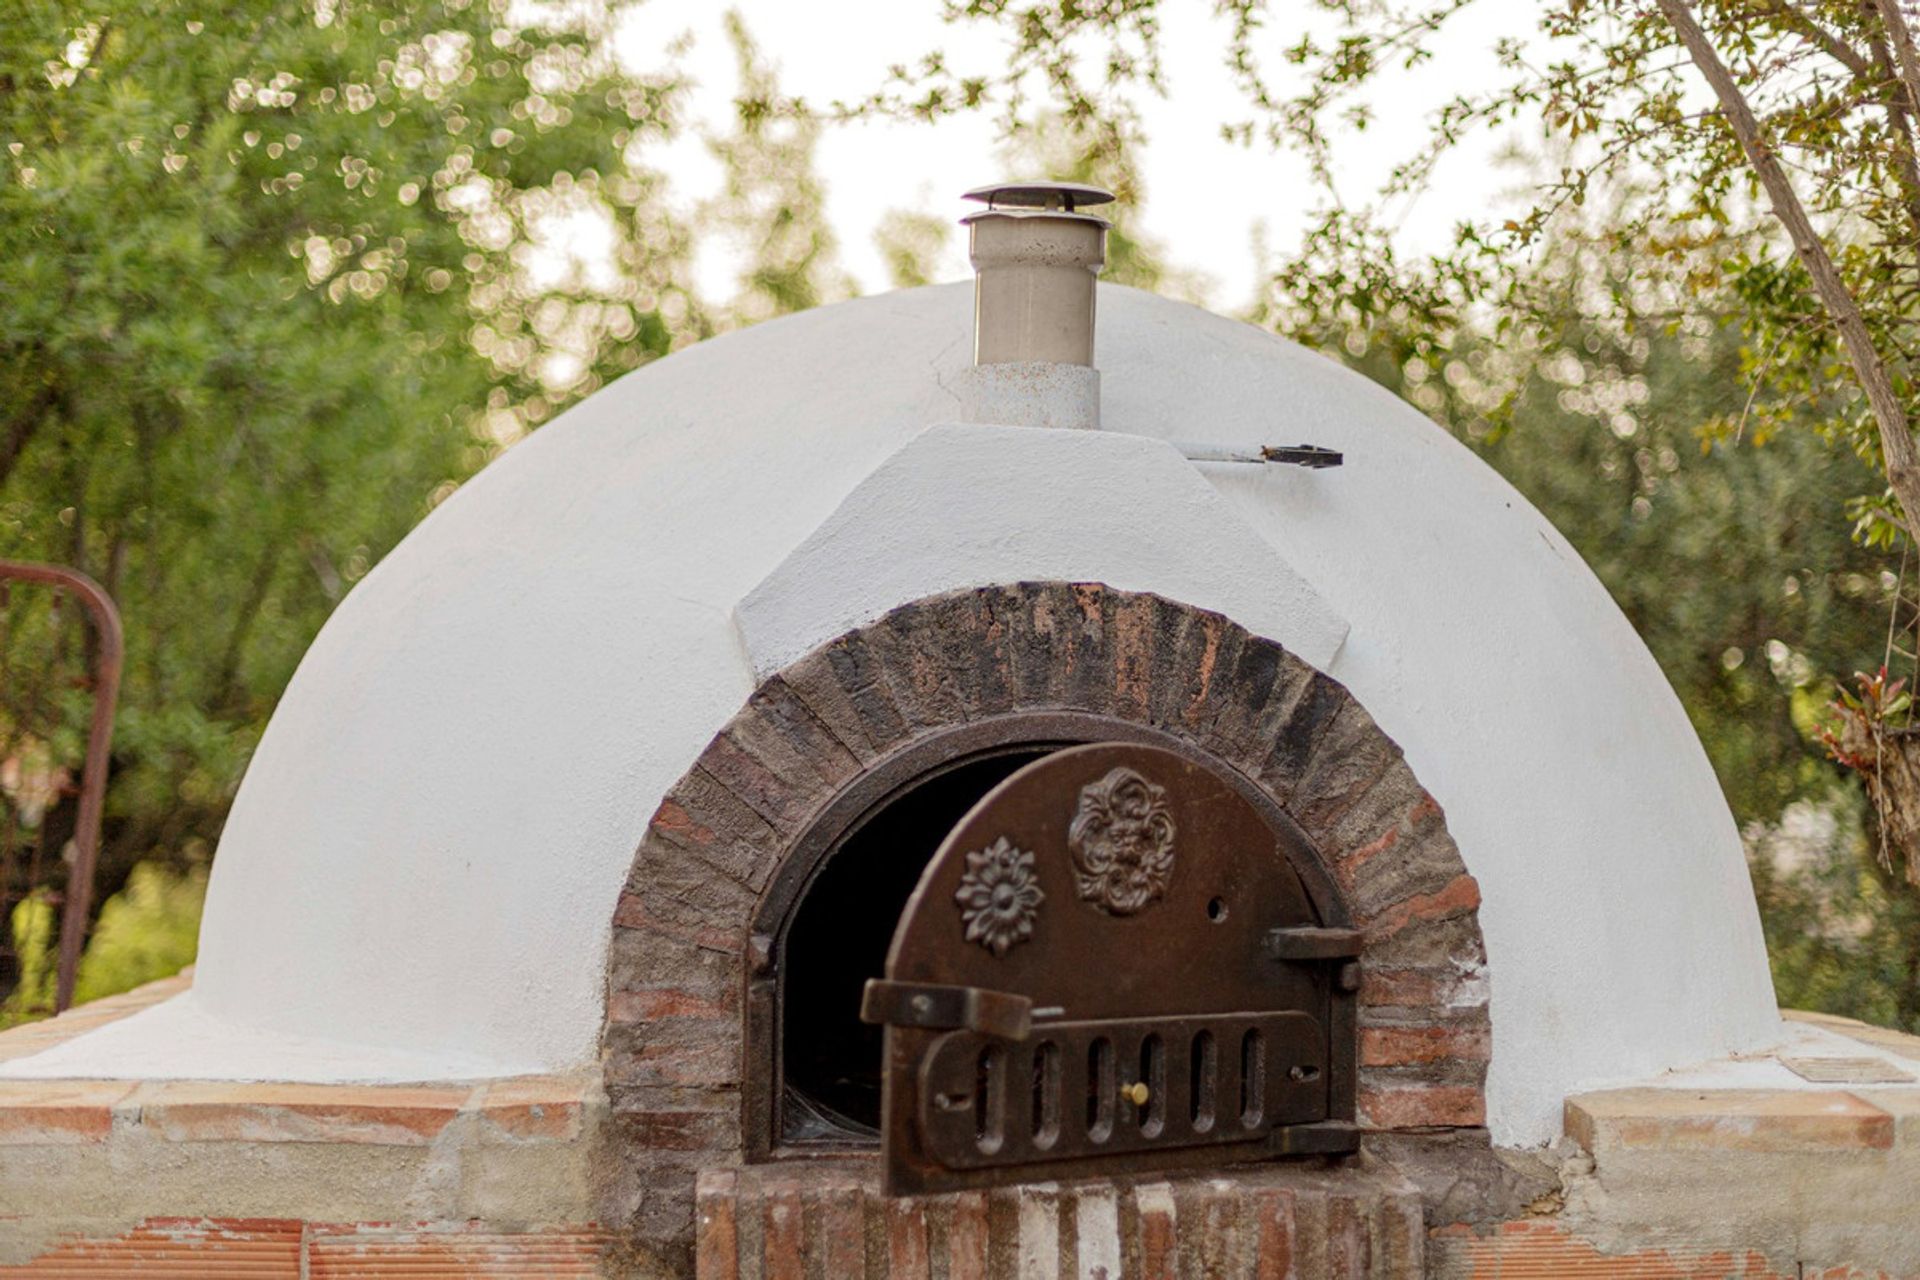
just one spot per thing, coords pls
(1035, 257)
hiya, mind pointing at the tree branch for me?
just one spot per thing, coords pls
(20, 429)
(1833, 46)
(1901, 35)
(1906, 168)
(1896, 437)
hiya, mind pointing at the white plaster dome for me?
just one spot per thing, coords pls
(418, 873)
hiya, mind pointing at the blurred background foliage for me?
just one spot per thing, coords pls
(273, 284)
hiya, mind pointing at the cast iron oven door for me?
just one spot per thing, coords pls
(1111, 964)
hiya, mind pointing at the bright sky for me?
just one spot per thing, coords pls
(1204, 195)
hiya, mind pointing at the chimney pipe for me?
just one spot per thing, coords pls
(1035, 257)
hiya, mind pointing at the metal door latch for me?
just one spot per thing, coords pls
(947, 1008)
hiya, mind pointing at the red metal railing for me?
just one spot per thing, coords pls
(108, 653)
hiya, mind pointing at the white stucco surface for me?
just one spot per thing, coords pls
(424, 856)
(1065, 506)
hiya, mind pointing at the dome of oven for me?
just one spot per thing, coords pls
(417, 874)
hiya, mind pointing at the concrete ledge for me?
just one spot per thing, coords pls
(1742, 1166)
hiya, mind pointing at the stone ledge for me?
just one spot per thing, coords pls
(1763, 1120)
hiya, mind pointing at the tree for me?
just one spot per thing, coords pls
(272, 281)
(1763, 150)
(772, 201)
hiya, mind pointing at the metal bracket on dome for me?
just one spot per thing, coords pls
(1312, 456)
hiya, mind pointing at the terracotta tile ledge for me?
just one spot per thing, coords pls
(517, 1110)
(1759, 1120)
(41, 1112)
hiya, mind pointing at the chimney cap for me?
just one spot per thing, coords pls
(1064, 197)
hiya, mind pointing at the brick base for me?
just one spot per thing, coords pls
(1278, 1222)
(288, 1249)
(1547, 1251)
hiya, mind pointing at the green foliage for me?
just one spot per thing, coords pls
(911, 244)
(149, 930)
(275, 280)
(32, 927)
(1069, 149)
(1843, 935)
(772, 202)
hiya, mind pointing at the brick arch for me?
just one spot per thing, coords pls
(682, 947)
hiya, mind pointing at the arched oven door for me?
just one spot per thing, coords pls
(1111, 964)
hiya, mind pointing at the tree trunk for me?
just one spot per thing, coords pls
(1896, 436)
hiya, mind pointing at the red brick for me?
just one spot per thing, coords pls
(647, 1003)
(1419, 1106)
(1415, 988)
(1461, 895)
(715, 1061)
(1412, 1046)
(372, 1252)
(634, 912)
(1131, 636)
(837, 1222)
(246, 1249)
(673, 819)
(1213, 1228)
(1547, 1249)
(678, 1130)
(716, 1236)
(785, 1240)
(907, 1257)
(1727, 1120)
(1159, 1251)
(1273, 1218)
(1346, 1240)
(967, 1238)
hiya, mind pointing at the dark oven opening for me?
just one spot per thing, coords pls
(837, 938)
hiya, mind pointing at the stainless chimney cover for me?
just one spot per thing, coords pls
(1034, 260)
